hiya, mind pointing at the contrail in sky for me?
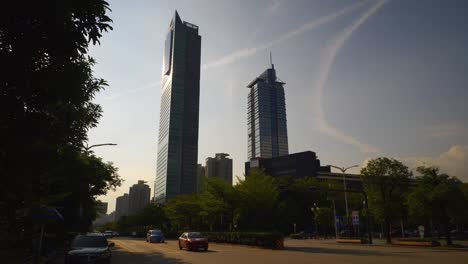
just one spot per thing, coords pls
(246, 52)
(148, 85)
(325, 65)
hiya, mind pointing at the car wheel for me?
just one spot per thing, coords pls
(206, 249)
(180, 247)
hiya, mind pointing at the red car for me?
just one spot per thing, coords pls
(193, 241)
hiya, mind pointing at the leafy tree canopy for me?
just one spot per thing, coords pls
(386, 183)
(46, 90)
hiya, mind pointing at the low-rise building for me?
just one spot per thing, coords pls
(220, 167)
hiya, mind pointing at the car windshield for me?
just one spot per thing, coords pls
(89, 242)
(195, 235)
(155, 232)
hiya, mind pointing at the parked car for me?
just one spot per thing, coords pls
(193, 241)
(109, 233)
(346, 233)
(459, 234)
(90, 248)
(155, 235)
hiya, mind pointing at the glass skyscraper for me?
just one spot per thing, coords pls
(176, 170)
(266, 117)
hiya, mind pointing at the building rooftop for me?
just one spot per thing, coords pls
(264, 77)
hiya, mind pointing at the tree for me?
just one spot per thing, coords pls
(296, 198)
(183, 211)
(219, 201)
(258, 200)
(386, 183)
(438, 197)
(325, 220)
(46, 91)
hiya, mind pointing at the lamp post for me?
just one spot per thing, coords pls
(343, 171)
(314, 210)
(368, 218)
(87, 148)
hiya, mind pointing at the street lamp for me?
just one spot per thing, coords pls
(87, 148)
(343, 170)
(315, 211)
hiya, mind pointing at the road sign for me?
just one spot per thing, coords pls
(355, 215)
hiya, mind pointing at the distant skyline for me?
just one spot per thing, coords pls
(364, 79)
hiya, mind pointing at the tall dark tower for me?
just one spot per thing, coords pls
(176, 171)
(266, 117)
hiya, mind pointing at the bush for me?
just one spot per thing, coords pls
(433, 242)
(296, 236)
(261, 239)
(413, 239)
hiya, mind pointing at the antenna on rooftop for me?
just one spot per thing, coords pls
(271, 61)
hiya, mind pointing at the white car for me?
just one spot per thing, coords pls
(109, 233)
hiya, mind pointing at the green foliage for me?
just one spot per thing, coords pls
(183, 211)
(153, 216)
(46, 90)
(258, 197)
(297, 196)
(325, 219)
(219, 202)
(386, 183)
(261, 239)
(438, 197)
(296, 236)
(108, 226)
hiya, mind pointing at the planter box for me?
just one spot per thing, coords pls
(352, 241)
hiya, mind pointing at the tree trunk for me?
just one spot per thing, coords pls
(387, 231)
(448, 238)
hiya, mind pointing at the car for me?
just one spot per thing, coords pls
(193, 241)
(155, 235)
(91, 248)
(109, 233)
(346, 233)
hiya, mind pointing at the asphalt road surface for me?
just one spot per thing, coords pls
(130, 250)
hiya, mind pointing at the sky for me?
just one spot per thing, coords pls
(364, 79)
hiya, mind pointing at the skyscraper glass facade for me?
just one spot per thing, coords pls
(266, 117)
(176, 169)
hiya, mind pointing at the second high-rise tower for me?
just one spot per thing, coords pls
(266, 117)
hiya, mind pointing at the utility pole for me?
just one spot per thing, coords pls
(343, 171)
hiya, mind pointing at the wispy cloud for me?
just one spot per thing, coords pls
(313, 24)
(454, 161)
(329, 56)
(273, 6)
(446, 130)
(268, 12)
(129, 91)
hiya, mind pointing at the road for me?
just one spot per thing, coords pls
(129, 250)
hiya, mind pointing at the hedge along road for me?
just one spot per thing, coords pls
(131, 250)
